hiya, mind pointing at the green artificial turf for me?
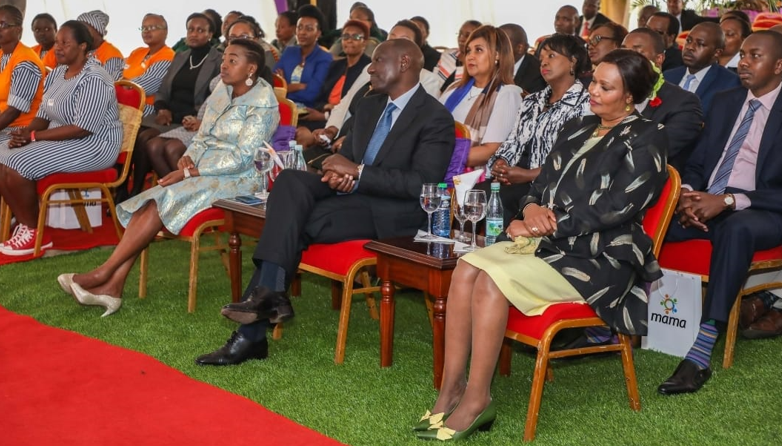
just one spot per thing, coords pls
(359, 403)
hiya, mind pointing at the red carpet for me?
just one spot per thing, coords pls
(74, 240)
(61, 388)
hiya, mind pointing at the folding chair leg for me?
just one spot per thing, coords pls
(370, 297)
(505, 356)
(80, 210)
(5, 221)
(732, 332)
(536, 394)
(277, 332)
(195, 246)
(143, 271)
(336, 293)
(344, 320)
(629, 372)
(296, 284)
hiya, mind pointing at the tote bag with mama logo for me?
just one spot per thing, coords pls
(675, 308)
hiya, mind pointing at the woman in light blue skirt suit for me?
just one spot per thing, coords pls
(241, 114)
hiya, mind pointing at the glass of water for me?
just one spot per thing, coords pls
(475, 210)
(430, 201)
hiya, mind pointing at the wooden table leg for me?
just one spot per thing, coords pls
(235, 264)
(386, 324)
(438, 340)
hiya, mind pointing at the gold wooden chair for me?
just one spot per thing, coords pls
(131, 100)
(539, 331)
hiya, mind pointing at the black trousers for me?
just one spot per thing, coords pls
(303, 210)
(734, 236)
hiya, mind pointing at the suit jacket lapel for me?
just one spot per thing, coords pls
(205, 75)
(520, 74)
(709, 79)
(402, 123)
(363, 137)
(773, 124)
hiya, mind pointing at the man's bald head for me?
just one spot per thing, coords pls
(396, 67)
(776, 29)
(518, 39)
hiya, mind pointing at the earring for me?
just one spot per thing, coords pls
(572, 72)
(249, 82)
(628, 108)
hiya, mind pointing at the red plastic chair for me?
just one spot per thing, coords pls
(539, 331)
(131, 100)
(694, 257)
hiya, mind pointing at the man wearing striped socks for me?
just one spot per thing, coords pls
(732, 194)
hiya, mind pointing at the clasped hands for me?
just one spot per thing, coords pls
(340, 173)
(506, 175)
(695, 208)
(178, 175)
(538, 222)
(19, 138)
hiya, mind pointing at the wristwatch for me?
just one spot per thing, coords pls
(359, 168)
(186, 171)
(729, 201)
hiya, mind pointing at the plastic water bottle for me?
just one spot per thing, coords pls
(441, 220)
(291, 145)
(494, 215)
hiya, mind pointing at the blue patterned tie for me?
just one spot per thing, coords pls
(687, 81)
(723, 173)
(381, 131)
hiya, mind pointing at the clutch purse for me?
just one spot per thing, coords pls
(523, 245)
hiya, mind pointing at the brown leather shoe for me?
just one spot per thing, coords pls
(752, 309)
(768, 326)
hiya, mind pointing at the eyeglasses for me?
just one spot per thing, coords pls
(594, 40)
(6, 25)
(308, 28)
(356, 37)
(243, 36)
(151, 28)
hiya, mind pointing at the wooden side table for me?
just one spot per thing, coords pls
(240, 219)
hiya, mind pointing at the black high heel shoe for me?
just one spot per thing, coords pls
(483, 422)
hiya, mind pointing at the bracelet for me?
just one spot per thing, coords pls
(32, 136)
(186, 172)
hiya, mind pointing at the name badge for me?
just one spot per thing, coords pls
(50, 102)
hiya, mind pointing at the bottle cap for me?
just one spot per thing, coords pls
(495, 186)
(442, 185)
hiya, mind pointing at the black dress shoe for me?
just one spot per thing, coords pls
(262, 304)
(235, 351)
(687, 378)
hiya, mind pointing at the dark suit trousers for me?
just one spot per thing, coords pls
(303, 210)
(734, 236)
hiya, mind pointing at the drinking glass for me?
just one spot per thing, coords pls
(263, 164)
(430, 201)
(475, 209)
(461, 217)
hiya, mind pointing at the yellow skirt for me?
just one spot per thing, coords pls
(528, 282)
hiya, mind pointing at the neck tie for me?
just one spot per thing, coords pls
(726, 167)
(381, 131)
(688, 80)
(585, 30)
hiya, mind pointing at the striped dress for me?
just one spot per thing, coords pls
(24, 84)
(86, 100)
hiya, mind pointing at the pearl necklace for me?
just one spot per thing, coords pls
(193, 67)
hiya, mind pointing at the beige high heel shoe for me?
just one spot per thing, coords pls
(111, 304)
(66, 282)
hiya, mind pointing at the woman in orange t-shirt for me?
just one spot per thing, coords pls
(44, 30)
(148, 65)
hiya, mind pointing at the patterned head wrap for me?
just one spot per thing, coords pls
(96, 19)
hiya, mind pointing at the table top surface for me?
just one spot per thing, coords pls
(256, 210)
(436, 255)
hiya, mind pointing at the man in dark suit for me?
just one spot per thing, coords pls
(527, 68)
(687, 17)
(402, 138)
(678, 110)
(667, 26)
(590, 18)
(701, 73)
(732, 193)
